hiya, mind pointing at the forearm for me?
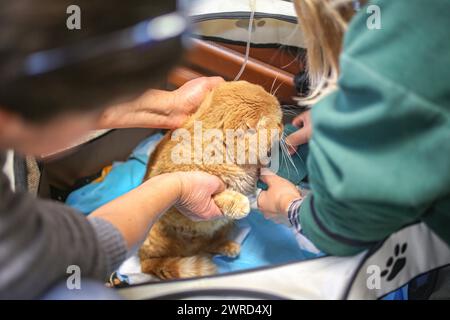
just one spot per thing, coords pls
(158, 108)
(138, 114)
(44, 238)
(134, 213)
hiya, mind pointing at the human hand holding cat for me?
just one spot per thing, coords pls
(159, 108)
(189, 96)
(196, 190)
(191, 192)
(274, 202)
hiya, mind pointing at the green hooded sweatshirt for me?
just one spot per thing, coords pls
(380, 151)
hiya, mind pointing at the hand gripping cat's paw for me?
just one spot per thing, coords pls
(233, 205)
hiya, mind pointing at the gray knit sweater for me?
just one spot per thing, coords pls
(40, 239)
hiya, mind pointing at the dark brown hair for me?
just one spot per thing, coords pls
(29, 26)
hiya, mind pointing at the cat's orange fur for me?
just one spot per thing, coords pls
(177, 247)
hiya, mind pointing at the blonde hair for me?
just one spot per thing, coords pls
(323, 23)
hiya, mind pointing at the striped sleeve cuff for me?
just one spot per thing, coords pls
(111, 241)
(293, 211)
(302, 240)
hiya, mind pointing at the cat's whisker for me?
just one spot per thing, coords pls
(283, 151)
(286, 155)
(283, 154)
(286, 150)
(278, 88)
(292, 162)
(273, 83)
(289, 107)
(289, 157)
(296, 59)
(290, 145)
(290, 112)
(295, 152)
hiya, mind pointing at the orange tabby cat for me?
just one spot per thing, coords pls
(177, 247)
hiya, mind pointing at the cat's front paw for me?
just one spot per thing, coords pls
(233, 205)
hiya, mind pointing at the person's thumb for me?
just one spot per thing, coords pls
(214, 82)
(217, 184)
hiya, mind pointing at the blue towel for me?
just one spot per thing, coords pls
(123, 177)
(266, 244)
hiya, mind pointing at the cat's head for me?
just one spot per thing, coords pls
(248, 111)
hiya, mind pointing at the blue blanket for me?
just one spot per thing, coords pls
(123, 177)
(266, 244)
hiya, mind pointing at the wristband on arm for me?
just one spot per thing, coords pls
(302, 240)
(293, 211)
